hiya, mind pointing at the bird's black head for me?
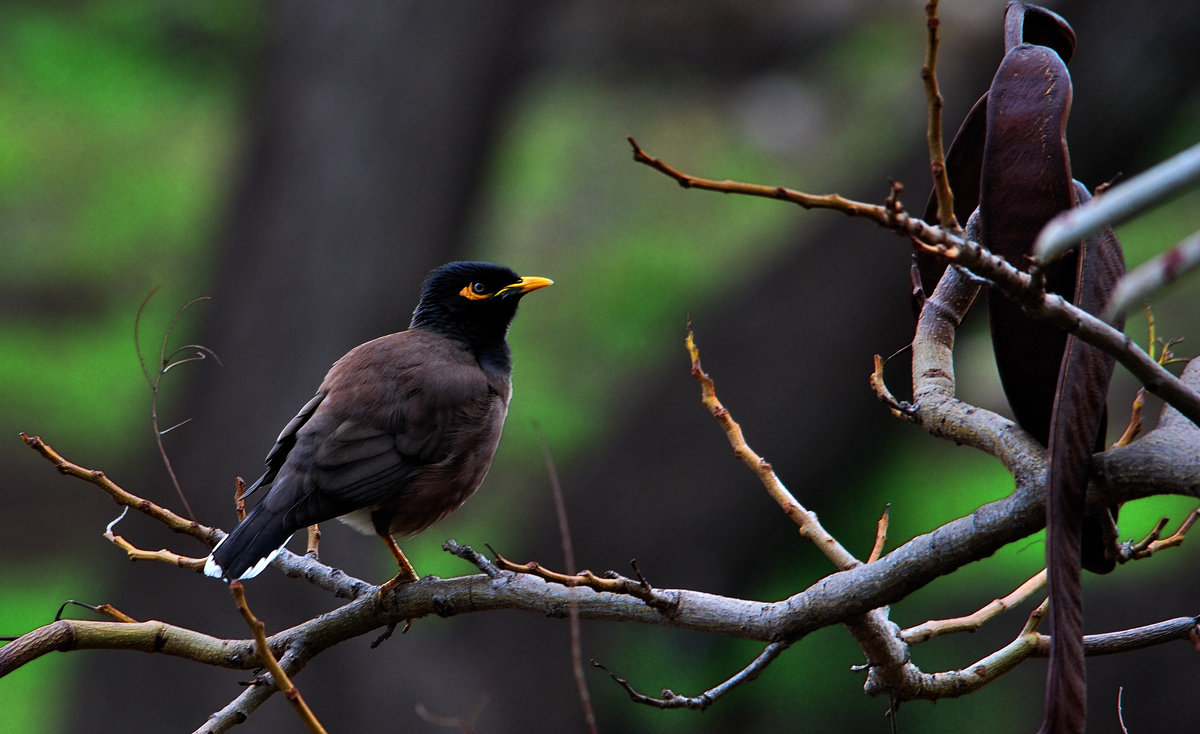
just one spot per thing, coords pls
(472, 301)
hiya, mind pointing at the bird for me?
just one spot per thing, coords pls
(401, 431)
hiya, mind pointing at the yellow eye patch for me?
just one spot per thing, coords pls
(475, 292)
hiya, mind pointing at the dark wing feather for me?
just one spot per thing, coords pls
(395, 407)
(403, 427)
(287, 439)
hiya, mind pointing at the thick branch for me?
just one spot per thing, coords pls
(1119, 203)
(842, 597)
(1159, 272)
(935, 407)
(1029, 643)
(239, 709)
(1164, 461)
(66, 635)
(1053, 308)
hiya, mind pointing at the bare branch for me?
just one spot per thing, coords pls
(672, 700)
(933, 133)
(107, 610)
(1164, 461)
(203, 533)
(240, 708)
(1159, 272)
(279, 678)
(1153, 543)
(564, 532)
(970, 254)
(610, 582)
(935, 407)
(472, 556)
(841, 597)
(1019, 286)
(1138, 638)
(808, 201)
(806, 521)
(1119, 203)
(165, 363)
(1027, 644)
(872, 630)
(1134, 427)
(971, 622)
(67, 635)
(881, 529)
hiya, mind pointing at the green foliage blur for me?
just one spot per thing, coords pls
(121, 121)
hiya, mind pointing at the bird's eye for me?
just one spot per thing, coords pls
(476, 291)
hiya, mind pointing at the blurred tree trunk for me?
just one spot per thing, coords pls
(372, 125)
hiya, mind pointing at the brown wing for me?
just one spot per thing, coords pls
(397, 409)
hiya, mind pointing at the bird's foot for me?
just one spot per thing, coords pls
(401, 578)
(387, 633)
(384, 592)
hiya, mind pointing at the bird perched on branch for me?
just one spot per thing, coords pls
(402, 429)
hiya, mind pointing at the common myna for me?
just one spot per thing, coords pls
(402, 429)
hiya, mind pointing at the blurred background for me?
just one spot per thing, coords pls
(305, 164)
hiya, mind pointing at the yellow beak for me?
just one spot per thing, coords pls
(525, 285)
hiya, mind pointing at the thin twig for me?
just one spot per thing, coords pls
(610, 582)
(564, 532)
(933, 134)
(808, 201)
(203, 533)
(263, 648)
(672, 700)
(165, 363)
(1134, 427)
(1153, 543)
(881, 529)
(806, 522)
(107, 610)
(872, 630)
(971, 622)
(137, 554)
(898, 408)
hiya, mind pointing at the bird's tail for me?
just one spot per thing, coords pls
(246, 551)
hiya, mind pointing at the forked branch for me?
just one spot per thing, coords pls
(1014, 283)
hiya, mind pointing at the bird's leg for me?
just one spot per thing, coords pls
(407, 574)
(314, 540)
